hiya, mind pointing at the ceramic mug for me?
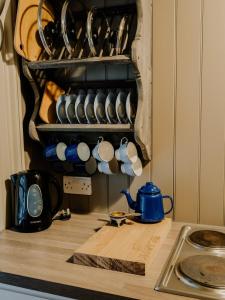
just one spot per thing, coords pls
(132, 169)
(78, 153)
(127, 151)
(103, 151)
(91, 166)
(55, 152)
(109, 168)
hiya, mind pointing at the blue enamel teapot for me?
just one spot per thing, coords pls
(149, 203)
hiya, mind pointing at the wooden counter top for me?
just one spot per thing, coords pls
(43, 257)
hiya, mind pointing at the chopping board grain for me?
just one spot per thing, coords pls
(129, 248)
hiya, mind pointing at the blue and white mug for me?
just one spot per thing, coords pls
(55, 152)
(78, 153)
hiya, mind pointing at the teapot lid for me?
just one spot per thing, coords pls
(149, 188)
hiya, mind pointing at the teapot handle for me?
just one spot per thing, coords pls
(172, 204)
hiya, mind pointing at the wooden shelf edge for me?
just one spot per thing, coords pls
(66, 63)
(86, 127)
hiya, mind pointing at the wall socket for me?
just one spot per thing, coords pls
(77, 185)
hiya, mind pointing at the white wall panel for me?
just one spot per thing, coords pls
(11, 146)
(188, 108)
(164, 57)
(213, 114)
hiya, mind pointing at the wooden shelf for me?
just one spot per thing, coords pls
(69, 63)
(86, 127)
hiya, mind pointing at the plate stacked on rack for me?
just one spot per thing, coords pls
(69, 29)
(97, 107)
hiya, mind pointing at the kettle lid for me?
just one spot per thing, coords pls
(149, 188)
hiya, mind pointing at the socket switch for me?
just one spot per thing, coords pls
(77, 185)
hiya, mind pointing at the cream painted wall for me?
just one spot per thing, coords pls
(189, 106)
(11, 146)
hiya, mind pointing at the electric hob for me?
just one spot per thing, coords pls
(196, 266)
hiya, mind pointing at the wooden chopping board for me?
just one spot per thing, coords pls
(129, 248)
(26, 37)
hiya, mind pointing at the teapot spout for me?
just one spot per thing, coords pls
(132, 204)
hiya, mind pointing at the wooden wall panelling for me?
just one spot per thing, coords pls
(99, 199)
(95, 72)
(11, 148)
(77, 203)
(213, 108)
(188, 108)
(117, 201)
(78, 73)
(164, 61)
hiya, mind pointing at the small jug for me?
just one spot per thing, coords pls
(149, 203)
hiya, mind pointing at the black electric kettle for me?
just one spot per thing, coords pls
(32, 205)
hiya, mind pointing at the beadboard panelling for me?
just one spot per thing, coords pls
(213, 114)
(196, 142)
(116, 200)
(11, 147)
(164, 57)
(188, 100)
(99, 199)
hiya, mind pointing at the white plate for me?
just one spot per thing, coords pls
(61, 110)
(131, 106)
(121, 107)
(99, 107)
(89, 107)
(110, 108)
(79, 107)
(70, 108)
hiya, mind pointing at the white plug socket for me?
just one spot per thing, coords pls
(77, 185)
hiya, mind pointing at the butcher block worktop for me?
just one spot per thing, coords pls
(39, 261)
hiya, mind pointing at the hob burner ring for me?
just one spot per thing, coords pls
(207, 238)
(205, 270)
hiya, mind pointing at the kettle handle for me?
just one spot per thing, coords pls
(172, 204)
(56, 184)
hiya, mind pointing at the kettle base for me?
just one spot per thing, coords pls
(30, 229)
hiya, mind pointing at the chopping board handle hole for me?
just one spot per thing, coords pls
(21, 46)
